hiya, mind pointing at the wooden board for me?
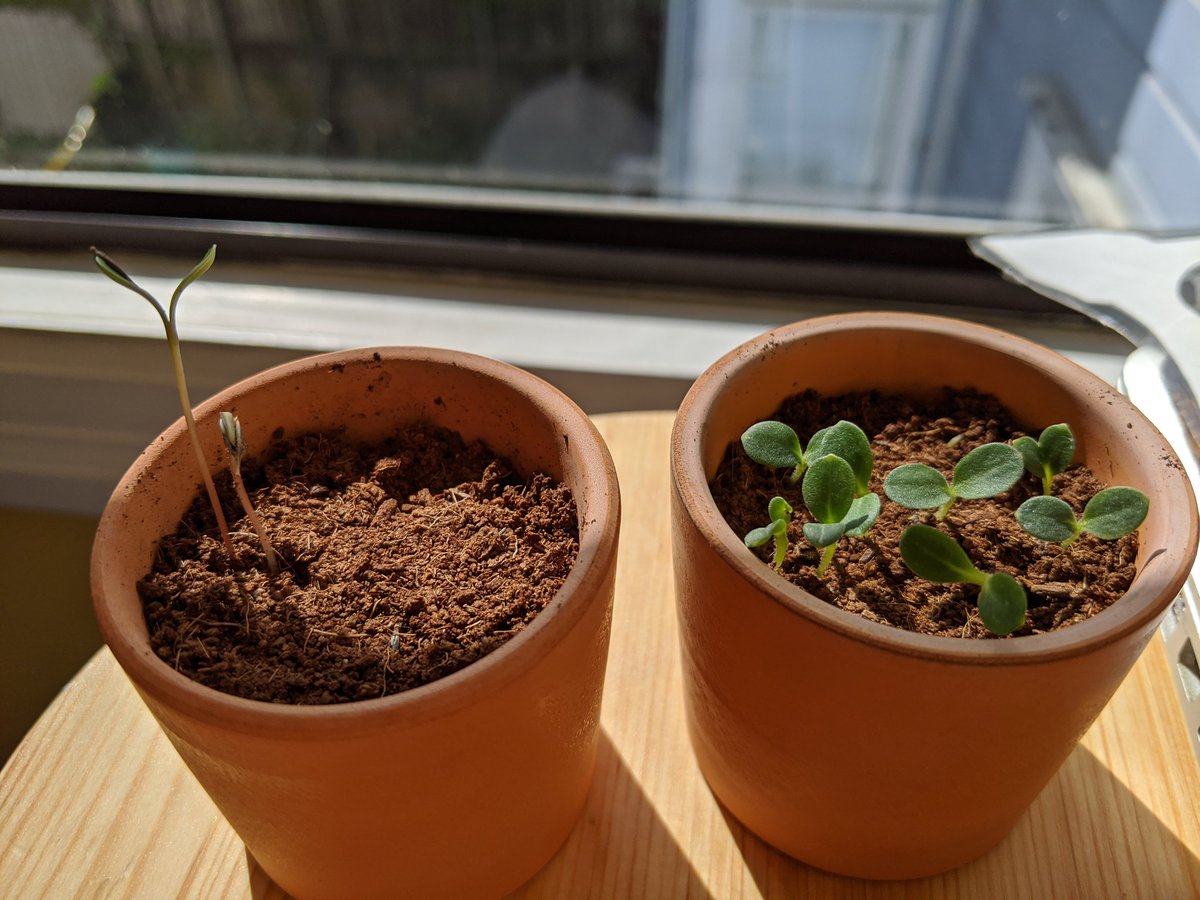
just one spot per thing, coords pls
(95, 802)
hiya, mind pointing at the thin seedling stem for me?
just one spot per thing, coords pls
(189, 420)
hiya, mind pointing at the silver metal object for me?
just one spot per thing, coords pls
(1148, 289)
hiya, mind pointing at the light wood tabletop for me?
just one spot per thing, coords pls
(96, 803)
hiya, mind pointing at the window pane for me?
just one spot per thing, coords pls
(1078, 111)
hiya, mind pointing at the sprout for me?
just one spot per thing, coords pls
(780, 512)
(1110, 514)
(776, 445)
(109, 267)
(986, 471)
(937, 557)
(235, 443)
(1048, 455)
(829, 493)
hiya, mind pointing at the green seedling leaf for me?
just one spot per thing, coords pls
(1048, 455)
(828, 489)
(1114, 512)
(986, 472)
(201, 267)
(917, 486)
(937, 557)
(821, 535)
(1002, 603)
(1048, 519)
(866, 508)
(848, 441)
(774, 444)
(780, 512)
(1111, 514)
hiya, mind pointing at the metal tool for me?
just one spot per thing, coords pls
(1148, 289)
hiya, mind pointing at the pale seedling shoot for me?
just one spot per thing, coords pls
(986, 471)
(1049, 455)
(780, 512)
(1112, 513)
(110, 268)
(937, 557)
(235, 444)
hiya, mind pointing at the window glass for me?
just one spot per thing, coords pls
(1075, 111)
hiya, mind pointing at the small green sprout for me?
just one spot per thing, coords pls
(110, 268)
(780, 512)
(986, 471)
(829, 493)
(1048, 455)
(937, 557)
(1112, 513)
(235, 444)
(776, 445)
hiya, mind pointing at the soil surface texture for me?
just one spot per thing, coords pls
(400, 564)
(868, 577)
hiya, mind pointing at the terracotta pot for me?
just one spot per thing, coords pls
(463, 787)
(865, 749)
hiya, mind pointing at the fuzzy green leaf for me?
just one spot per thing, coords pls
(936, 556)
(772, 444)
(1002, 603)
(1031, 455)
(868, 508)
(987, 471)
(1057, 445)
(828, 489)
(821, 534)
(847, 440)
(778, 509)
(760, 536)
(1048, 519)
(1114, 512)
(917, 486)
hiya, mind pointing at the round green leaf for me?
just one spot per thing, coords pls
(1031, 455)
(1058, 447)
(1048, 519)
(847, 440)
(772, 444)
(821, 534)
(936, 556)
(1002, 603)
(828, 489)
(866, 507)
(759, 536)
(778, 509)
(987, 471)
(917, 486)
(1114, 512)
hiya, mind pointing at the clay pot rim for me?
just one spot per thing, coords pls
(1157, 583)
(469, 685)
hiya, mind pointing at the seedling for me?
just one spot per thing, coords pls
(1048, 455)
(776, 445)
(110, 268)
(986, 471)
(235, 444)
(1112, 513)
(780, 512)
(935, 556)
(829, 493)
